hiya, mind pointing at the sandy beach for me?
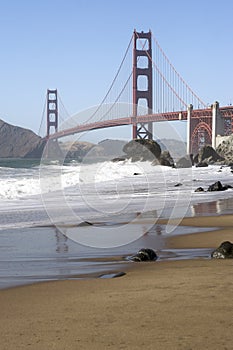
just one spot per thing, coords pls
(185, 304)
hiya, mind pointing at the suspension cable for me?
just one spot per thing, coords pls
(42, 117)
(123, 89)
(63, 106)
(108, 92)
(179, 76)
(118, 97)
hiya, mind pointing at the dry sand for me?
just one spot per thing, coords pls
(162, 305)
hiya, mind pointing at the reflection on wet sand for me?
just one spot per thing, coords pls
(61, 242)
(225, 206)
(205, 208)
(221, 206)
(36, 254)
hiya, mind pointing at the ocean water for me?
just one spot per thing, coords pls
(80, 220)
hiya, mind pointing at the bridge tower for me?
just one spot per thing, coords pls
(142, 130)
(217, 123)
(52, 111)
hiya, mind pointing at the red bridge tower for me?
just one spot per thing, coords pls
(142, 48)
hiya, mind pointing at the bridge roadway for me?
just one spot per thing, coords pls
(226, 112)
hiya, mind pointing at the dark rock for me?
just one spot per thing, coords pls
(177, 185)
(164, 162)
(224, 251)
(226, 187)
(84, 224)
(184, 162)
(208, 155)
(119, 159)
(142, 149)
(166, 159)
(217, 186)
(199, 189)
(195, 159)
(191, 158)
(201, 165)
(225, 149)
(144, 254)
(137, 174)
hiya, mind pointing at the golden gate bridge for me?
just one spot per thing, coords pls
(153, 92)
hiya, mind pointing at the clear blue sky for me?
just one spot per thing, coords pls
(76, 46)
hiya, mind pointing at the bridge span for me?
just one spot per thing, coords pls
(204, 123)
(200, 121)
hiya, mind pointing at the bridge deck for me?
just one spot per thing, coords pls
(227, 112)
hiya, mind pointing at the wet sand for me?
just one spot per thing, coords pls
(223, 231)
(183, 305)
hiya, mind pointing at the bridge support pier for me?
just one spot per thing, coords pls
(217, 123)
(189, 114)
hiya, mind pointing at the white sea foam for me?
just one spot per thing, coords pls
(18, 188)
(89, 192)
(23, 183)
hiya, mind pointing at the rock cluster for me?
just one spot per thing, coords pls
(217, 186)
(222, 155)
(225, 149)
(207, 155)
(146, 150)
(150, 150)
